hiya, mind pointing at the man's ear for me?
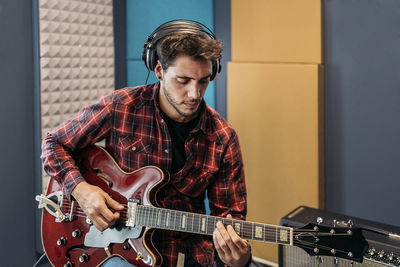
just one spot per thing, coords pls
(158, 70)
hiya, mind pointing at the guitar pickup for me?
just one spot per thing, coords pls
(132, 207)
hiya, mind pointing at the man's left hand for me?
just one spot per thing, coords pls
(232, 250)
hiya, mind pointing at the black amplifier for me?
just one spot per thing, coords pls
(383, 240)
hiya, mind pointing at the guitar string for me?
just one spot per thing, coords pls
(305, 244)
(248, 229)
(152, 209)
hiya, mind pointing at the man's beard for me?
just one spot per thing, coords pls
(175, 104)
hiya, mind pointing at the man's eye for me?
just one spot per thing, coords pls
(204, 81)
(182, 81)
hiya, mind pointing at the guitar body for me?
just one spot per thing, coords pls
(63, 241)
(69, 239)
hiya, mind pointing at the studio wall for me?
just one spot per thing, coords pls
(275, 102)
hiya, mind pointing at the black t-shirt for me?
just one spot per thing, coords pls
(179, 131)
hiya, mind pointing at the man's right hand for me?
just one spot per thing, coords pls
(96, 204)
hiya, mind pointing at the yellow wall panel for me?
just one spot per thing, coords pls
(276, 31)
(277, 113)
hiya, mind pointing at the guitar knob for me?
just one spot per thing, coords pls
(319, 220)
(381, 254)
(84, 258)
(77, 233)
(62, 241)
(68, 264)
(371, 252)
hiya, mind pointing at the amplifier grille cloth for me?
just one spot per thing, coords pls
(296, 257)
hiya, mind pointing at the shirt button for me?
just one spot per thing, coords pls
(166, 151)
(134, 148)
(162, 120)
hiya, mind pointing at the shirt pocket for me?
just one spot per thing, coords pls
(136, 145)
(133, 153)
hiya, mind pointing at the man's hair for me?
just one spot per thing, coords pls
(187, 44)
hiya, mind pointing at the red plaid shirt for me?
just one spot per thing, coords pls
(136, 135)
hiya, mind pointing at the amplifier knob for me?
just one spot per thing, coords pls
(393, 259)
(382, 254)
(391, 256)
(371, 252)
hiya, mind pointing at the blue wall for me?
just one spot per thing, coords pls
(142, 17)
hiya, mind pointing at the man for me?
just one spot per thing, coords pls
(168, 125)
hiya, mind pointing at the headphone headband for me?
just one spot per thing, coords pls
(171, 27)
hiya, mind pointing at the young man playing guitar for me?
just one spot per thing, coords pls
(167, 125)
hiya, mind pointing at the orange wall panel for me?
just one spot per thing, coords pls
(276, 31)
(276, 111)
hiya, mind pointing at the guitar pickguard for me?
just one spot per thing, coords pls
(115, 234)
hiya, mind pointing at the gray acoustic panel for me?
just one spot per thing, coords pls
(76, 57)
(362, 93)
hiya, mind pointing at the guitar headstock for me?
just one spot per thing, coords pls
(341, 241)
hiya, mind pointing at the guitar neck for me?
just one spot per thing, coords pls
(182, 221)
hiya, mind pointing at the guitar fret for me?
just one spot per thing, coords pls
(158, 218)
(175, 220)
(203, 224)
(192, 221)
(167, 221)
(183, 221)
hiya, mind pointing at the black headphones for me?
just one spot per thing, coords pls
(149, 54)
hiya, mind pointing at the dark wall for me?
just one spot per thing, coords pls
(17, 225)
(362, 63)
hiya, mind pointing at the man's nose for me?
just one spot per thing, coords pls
(194, 91)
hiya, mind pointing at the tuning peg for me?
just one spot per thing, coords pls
(334, 223)
(319, 220)
(336, 261)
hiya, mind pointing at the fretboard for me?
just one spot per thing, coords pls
(203, 224)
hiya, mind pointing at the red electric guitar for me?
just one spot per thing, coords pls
(69, 238)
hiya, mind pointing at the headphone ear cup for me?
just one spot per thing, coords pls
(149, 56)
(152, 58)
(216, 68)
